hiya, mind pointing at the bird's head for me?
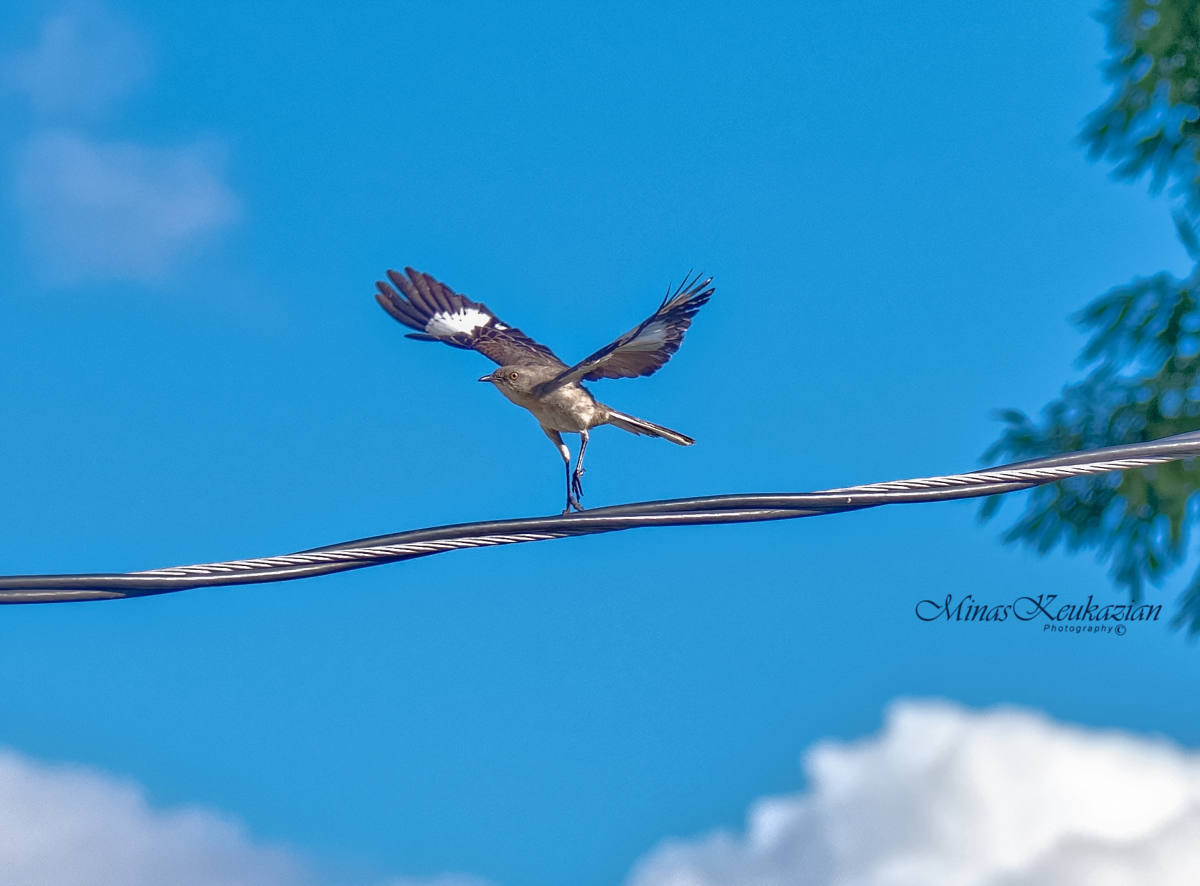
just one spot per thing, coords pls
(519, 379)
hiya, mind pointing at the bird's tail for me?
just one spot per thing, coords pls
(641, 426)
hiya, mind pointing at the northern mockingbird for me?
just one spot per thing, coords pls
(530, 374)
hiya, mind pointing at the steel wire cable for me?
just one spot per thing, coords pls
(699, 510)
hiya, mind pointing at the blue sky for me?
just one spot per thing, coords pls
(198, 199)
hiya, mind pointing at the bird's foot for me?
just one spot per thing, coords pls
(576, 488)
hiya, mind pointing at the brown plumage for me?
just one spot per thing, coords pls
(531, 375)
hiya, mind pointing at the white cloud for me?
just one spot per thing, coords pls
(119, 209)
(68, 826)
(93, 208)
(84, 63)
(942, 796)
(948, 796)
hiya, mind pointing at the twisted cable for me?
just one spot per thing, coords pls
(718, 509)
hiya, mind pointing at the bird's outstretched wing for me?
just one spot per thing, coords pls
(441, 314)
(645, 348)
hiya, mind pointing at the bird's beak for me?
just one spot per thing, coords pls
(485, 378)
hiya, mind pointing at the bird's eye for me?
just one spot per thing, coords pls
(513, 375)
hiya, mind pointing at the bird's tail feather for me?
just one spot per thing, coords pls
(641, 426)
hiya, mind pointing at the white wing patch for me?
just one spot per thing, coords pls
(463, 320)
(649, 339)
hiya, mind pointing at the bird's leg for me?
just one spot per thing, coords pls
(557, 440)
(577, 477)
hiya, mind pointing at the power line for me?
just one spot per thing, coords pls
(716, 509)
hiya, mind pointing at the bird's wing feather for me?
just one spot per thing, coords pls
(438, 313)
(645, 348)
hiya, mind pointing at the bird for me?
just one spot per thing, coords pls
(531, 375)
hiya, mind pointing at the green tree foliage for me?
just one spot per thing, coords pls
(1143, 353)
(1151, 122)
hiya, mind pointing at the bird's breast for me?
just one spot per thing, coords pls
(569, 408)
